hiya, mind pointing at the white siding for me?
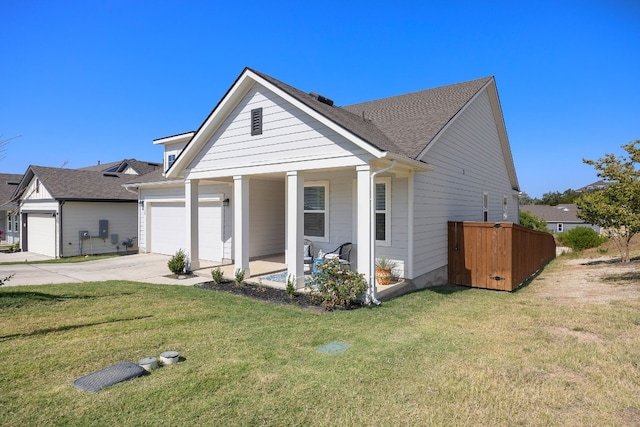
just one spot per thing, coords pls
(468, 162)
(288, 135)
(266, 218)
(77, 216)
(172, 149)
(36, 191)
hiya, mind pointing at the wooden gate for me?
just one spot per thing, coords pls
(499, 255)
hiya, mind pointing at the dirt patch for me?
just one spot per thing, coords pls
(588, 281)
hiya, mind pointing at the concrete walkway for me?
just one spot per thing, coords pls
(148, 268)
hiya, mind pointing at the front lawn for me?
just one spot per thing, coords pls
(445, 356)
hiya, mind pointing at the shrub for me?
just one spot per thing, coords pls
(239, 277)
(581, 238)
(178, 263)
(335, 286)
(291, 289)
(216, 275)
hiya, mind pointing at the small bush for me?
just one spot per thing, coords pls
(216, 275)
(335, 286)
(239, 276)
(291, 289)
(581, 238)
(178, 263)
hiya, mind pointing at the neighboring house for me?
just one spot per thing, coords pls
(559, 218)
(272, 165)
(71, 212)
(9, 218)
(598, 185)
(127, 166)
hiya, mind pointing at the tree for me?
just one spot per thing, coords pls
(529, 220)
(615, 208)
(525, 199)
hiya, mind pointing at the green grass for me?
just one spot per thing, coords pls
(445, 356)
(67, 260)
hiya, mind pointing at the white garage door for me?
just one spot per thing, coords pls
(168, 233)
(41, 234)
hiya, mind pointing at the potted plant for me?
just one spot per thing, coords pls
(383, 270)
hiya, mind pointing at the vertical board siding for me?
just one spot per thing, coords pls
(468, 162)
(77, 216)
(288, 135)
(499, 256)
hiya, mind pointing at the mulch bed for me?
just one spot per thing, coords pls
(269, 294)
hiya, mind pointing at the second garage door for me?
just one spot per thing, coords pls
(168, 232)
(41, 234)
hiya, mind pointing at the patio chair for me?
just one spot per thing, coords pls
(342, 253)
(308, 252)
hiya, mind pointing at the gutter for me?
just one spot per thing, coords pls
(372, 294)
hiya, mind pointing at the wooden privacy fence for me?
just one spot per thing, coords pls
(499, 255)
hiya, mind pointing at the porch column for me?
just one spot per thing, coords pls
(365, 263)
(241, 224)
(191, 207)
(295, 227)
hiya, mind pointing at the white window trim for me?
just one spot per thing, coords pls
(9, 223)
(560, 227)
(324, 184)
(387, 226)
(505, 207)
(485, 207)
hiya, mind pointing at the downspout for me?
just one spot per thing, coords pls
(372, 293)
(60, 242)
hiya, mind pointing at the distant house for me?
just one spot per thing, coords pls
(598, 185)
(71, 212)
(559, 218)
(272, 166)
(9, 218)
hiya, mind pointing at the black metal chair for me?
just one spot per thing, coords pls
(342, 252)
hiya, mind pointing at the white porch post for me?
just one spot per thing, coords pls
(365, 263)
(191, 206)
(241, 224)
(295, 227)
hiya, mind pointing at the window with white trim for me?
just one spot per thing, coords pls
(9, 222)
(316, 210)
(560, 227)
(485, 207)
(505, 207)
(383, 211)
(16, 220)
(170, 159)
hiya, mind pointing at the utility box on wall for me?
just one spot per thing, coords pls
(103, 229)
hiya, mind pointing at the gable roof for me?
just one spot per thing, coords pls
(399, 127)
(140, 167)
(74, 184)
(560, 213)
(8, 184)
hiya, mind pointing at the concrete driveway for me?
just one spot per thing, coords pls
(148, 268)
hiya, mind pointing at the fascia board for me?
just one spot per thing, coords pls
(208, 127)
(319, 117)
(183, 137)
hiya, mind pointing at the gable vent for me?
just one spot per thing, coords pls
(256, 121)
(322, 99)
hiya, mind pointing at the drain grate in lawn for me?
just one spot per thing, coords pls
(334, 347)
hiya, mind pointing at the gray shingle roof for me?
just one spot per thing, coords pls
(141, 167)
(560, 213)
(73, 184)
(403, 124)
(8, 184)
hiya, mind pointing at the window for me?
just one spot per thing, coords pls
(485, 207)
(256, 121)
(505, 207)
(170, 159)
(383, 210)
(9, 222)
(315, 210)
(15, 222)
(560, 227)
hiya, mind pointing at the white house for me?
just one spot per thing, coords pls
(72, 212)
(9, 217)
(272, 165)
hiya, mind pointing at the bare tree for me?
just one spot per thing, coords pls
(4, 143)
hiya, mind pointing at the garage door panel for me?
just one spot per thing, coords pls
(168, 232)
(41, 234)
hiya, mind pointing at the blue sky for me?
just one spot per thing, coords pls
(89, 81)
